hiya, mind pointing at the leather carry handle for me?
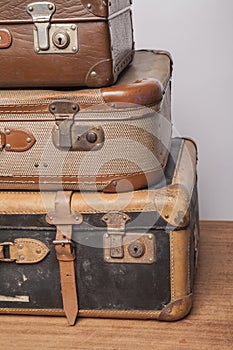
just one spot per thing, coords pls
(142, 92)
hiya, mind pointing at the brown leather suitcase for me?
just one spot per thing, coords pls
(109, 139)
(127, 255)
(64, 43)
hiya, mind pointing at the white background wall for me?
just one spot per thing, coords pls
(199, 34)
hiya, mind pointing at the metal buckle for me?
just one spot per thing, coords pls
(63, 242)
(2, 258)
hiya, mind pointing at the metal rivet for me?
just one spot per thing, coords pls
(0, 38)
(113, 105)
(77, 218)
(151, 259)
(51, 218)
(50, 6)
(93, 74)
(38, 251)
(107, 257)
(125, 218)
(53, 107)
(89, 6)
(106, 218)
(36, 165)
(45, 165)
(8, 146)
(30, 8)
(74, 48)
(74, 107)
(29, 140)
(166, 216)
(107, 235)
(73, 27)
(114, 183)
(20, 246)
(7, 132)
(37, 49)
(21, 257)
(150, 237)
(91, 137)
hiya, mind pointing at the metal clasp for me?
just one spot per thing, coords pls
(116, 223)
(2, 258)
(41, 13)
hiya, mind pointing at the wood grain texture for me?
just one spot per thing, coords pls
(209, 326)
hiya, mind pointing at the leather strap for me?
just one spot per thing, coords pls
(66, 256)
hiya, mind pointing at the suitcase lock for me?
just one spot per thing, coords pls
(123, 247)
(51, 38)
(69, 134)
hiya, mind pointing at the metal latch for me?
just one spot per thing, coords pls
(69, 133)
(51, 38)
(122, 247)
(116, 223)
(23, 251)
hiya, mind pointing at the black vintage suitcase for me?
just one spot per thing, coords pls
(128, 255)
(64, 43)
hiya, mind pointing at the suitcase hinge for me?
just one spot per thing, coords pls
(51, 38)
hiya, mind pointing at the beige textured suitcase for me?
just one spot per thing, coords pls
(109, 139)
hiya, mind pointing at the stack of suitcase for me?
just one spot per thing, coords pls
(98, 204)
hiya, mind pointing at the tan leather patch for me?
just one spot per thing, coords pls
(18, 140)
(5, 39)
(24, 251)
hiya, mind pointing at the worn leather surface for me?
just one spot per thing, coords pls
(102, 51)
(16, 10)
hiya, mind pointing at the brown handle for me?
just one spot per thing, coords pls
(142, 92)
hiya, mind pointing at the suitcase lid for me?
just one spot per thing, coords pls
(18, 11)
(169, 200)
(143, 83)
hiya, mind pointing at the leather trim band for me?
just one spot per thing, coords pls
(66, 257)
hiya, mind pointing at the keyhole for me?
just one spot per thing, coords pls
(60, 41)
(135, 250)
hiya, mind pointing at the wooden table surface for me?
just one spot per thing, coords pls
(209, 326)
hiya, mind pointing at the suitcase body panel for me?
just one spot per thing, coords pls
(130, 119)
(80, 46)
(159, 289)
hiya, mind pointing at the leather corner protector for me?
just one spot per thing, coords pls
(177, 309)
(5, 39)
(100, 74)
(175, 207)
(28, 251)
(18, 140)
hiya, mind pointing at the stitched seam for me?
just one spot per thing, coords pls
(172, 265)
(82, 176)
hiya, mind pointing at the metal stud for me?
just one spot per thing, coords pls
(7, 132)
(89, 6)
(38, 251)
(21, 257)
(73, 27)
(29, 140)
(8, 146)
(50, 6)
(20, 246)
(93, 74)
(30, 8)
